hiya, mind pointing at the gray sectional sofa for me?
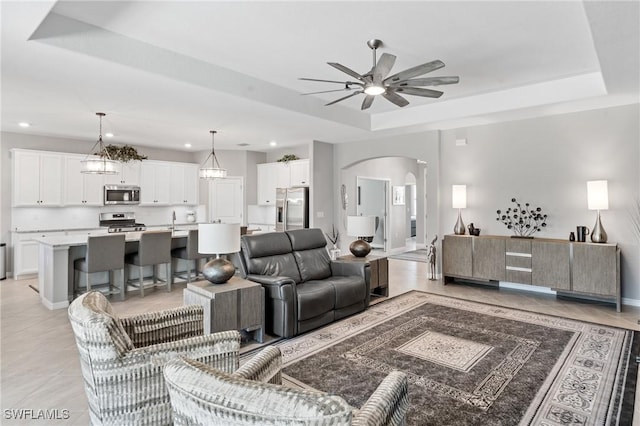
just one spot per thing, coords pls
(304, 288)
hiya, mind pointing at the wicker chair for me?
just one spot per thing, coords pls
(204, 396)
(122, 358)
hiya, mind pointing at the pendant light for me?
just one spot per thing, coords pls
(215, 171)
(102, 164)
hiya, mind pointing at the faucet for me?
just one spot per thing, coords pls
(173, 221)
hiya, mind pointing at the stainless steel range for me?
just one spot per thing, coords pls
(121, 222)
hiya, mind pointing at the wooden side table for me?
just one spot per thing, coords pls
(379, 283)
(236, 305)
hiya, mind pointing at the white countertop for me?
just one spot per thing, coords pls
(80, 240)
(185, 225)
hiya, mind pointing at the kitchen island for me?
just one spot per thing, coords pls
(55, 263)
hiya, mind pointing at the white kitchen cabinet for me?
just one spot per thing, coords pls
(26, 252)
(81, 189)
(155, 180)
(280, 175)
(184, 184)
(298, 173)
(128, 174)
(267, 183)
(37, 178)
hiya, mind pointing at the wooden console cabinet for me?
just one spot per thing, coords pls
(570, 268)
(379, 282)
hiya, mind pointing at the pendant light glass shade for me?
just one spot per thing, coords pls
(100, 164)
(215, 171)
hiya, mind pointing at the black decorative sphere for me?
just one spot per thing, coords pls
(218, 271)
(360, 248)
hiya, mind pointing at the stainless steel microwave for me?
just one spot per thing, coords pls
(121, 194)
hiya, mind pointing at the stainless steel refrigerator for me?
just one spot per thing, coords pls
(292, 208)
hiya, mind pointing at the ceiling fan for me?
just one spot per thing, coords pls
(375, 82)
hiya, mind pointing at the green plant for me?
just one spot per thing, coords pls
(288, 157)
(123, 153)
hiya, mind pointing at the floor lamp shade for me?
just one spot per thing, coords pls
(598, 199)
(361, 226)
(218, 238)
(459, 201)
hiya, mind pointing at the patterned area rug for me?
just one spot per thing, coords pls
(473, 364)
(419, 255)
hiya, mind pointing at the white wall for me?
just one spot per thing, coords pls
(547, 162)
(322, 188)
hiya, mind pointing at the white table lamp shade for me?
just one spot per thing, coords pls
(218, 238)
(459, 196)
(361, 226)
(597, 195)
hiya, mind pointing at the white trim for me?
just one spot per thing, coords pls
(511, 253)
(57, 305)
(630, 302)
(527, 287)
(517, 268)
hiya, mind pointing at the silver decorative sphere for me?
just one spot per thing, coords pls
(218, 271)
(360, 248)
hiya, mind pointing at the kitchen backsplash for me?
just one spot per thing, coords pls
(38, 218)
(261, 214)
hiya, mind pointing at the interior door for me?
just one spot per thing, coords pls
(226, 200)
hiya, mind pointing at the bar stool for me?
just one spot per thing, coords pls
(104, 253)
(188, 253)
(154, 249)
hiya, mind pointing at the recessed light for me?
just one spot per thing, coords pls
(24, 124)
(273, 143)
(187, 145)
(109, 135)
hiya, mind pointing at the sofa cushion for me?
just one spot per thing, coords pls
(269, 254)
(314, 298)
(313, 264)
(309, 248)
(348, 290)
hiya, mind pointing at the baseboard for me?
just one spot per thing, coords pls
(630, 302)
(52, 306)
(527, 287)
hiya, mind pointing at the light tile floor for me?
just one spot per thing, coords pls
(39, 360)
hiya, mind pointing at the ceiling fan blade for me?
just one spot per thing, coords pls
(384, 65)
(331, 81)
(429, 81)
(326, 91)
(368, 100)
(417, 91)
(415, 71)
(395, 98)
(346, 70)
(346, 97)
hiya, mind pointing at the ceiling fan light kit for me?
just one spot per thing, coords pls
(375, 82)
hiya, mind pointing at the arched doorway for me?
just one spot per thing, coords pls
(401, 173)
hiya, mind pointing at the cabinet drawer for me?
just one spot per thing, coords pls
(518, 261)
(517, 245)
